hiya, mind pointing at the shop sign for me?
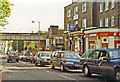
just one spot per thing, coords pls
(76, 34)
(71, 26)
(92, 35)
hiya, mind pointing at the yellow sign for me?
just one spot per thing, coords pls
(95, 41)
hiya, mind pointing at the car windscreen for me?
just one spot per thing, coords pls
(35, 53)
(114, 54)
(27, 54)
(71, 55)
(46, 54)
(13, 54)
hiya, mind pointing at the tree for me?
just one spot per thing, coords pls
(18, 45)
(14, 45)
(31, 46)
(5, 11)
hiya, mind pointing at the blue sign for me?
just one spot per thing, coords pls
(71, 26)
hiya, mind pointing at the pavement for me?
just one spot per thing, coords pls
(2, 55)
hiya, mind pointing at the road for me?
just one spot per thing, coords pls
(27, 71)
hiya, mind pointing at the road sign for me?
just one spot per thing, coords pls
(70, 38)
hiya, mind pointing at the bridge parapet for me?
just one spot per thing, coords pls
(23, 36)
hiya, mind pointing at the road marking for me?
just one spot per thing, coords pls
(67, 77)
(9, 77)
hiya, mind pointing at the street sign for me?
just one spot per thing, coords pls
(71, 26)
(70, 38)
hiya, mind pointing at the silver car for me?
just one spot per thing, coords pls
(43, 58)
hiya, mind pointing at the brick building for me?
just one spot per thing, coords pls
(92, 25)
(56, 37)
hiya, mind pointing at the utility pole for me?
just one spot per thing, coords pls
(38, 34)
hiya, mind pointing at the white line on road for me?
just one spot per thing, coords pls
(45, 70)
(9, 77)
(67, 77)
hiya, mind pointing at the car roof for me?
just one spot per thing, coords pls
(44, 52)
(101, 49)
(64, 51)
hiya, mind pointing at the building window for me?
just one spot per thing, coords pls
(112, 4)
(68, 13)
(119, 20)
(101, 7)
(106, 6)
(84, 23)
(119, 2)
(67, 27)
(101, 23)
(106, 22)
(76, 22)
(112, 20)
(84, 7)
(75, 10)
(75, 13)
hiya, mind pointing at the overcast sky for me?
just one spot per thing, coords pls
(48, 12)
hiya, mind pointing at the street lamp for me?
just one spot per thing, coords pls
(38, 34)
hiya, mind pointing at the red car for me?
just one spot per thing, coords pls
(32, 57)
(13, 57)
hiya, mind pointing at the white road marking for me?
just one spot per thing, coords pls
(9, 77)
(67, 77)
(47, 71)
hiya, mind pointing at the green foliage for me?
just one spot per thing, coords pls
(18, 45)
(14, 45)
(5, 11)
(31, 46)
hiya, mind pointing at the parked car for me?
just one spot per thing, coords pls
(13, 57)
(101, 61)
(21, 56)
(26, 56)
(0, 75)
(65, 60)
(43, 58)
(32, 57)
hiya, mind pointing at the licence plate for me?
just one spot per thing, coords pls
(13, 59)
(77, 65)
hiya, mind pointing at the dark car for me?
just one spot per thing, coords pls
(43, 58)
(65, 60)
(13, 57)
(101, 61)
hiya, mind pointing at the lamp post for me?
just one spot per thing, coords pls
(38, 34)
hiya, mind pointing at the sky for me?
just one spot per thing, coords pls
(47, 12)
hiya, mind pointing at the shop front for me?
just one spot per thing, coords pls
(108, 38)
(76, 42)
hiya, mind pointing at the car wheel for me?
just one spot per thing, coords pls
(41, 64)
(117, 74)
(25, 60)
(52, 66)
(17, 60)
(30, 61)
(7, 61)
(36, 63)
(87, 71)
(62, 68)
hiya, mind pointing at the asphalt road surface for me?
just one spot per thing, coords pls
(27, 71)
